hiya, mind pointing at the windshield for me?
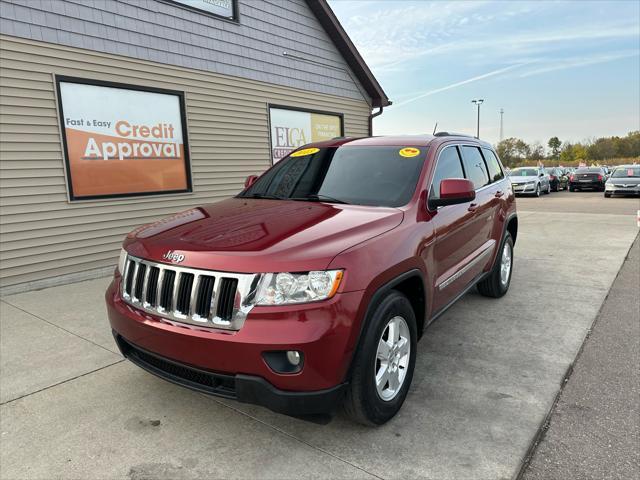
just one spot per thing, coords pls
(376, 176)
(524, 172)
(550, 170)
(625, 172)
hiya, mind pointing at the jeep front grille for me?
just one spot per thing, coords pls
(188, 295)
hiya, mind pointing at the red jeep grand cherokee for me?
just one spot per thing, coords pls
(311, 287)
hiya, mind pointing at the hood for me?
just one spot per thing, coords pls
(531, 178)
(259, 235)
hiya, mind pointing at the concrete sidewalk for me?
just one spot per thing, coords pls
(486, 376)
(594, 432)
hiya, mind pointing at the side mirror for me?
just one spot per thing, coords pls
(454, 191)
(250, 180)
(541, 174)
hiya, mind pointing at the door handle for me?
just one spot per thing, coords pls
(473, 207)
(499, 193)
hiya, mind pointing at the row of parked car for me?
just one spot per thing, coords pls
(620, 180)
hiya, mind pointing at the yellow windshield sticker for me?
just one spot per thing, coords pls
(409, 152)
(304, 152)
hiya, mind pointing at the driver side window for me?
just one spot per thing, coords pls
(449, 166)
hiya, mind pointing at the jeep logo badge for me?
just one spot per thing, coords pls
(173, 256)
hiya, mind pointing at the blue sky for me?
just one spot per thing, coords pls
(569, 69)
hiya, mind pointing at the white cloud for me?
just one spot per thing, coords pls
(563, 64)
(392, 34)
(458, 84)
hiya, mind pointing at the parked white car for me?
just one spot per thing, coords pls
(530, 181)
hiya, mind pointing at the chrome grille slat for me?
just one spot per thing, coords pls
(195, 287)
(145, 284)
(159, 286)
(134, 280)
(184, 294)
(176, 290)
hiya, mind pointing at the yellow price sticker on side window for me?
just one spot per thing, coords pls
(304, 152)
(409, 152)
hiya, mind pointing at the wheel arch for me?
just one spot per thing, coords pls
(411, 283)
(512, 227)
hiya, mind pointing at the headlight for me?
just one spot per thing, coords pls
(288, 288)
(531, 183)
(122, 260)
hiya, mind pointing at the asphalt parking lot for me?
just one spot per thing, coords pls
(487, 374)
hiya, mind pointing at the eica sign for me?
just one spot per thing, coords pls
(122, 140)
(293, 128)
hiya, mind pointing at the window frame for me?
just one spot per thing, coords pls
(72, 197)
(500, 166)
(435, 167)
(478, 147)
(235, 18)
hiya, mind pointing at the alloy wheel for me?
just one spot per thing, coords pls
(505, 264)
(392, 358)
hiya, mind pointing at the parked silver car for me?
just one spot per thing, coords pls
(530, 181)
(625, 180)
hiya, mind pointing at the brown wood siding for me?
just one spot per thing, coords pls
(41, 233)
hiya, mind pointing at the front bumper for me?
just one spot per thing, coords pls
(231, 363)
(621, 189)
(523, 188)
(244, 388)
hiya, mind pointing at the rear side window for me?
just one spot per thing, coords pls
(449, 166)
(495, 171)
(474, 166)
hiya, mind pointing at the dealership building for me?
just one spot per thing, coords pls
(115, 113)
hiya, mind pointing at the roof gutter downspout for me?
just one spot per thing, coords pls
(371, 117)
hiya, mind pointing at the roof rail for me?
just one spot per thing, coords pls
(452, 134)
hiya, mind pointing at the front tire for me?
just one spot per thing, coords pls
(607, 195)
(537, 194)
(383, 366)
(498, 281)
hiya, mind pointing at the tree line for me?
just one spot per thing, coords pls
(604, 150)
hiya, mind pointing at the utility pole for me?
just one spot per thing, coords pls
(478, 102)
(501, 124)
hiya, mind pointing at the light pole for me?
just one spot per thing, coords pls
(501, 124)
(478, 102)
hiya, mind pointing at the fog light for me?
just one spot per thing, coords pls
(284, 361)
(294, 357)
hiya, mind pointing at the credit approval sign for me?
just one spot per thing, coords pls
(291, 128)
(122, 140)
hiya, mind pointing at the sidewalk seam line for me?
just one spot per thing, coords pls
(62, 382)
(279, 430)
(58, 326)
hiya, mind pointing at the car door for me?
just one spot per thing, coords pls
(458, 233)
(475, 169)
(500, 192)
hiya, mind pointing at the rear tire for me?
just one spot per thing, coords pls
(498, 281)
(364, 401)
(571, 189)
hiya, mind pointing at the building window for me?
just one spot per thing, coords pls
(220, 8)
(291, 127)
(122, 140)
